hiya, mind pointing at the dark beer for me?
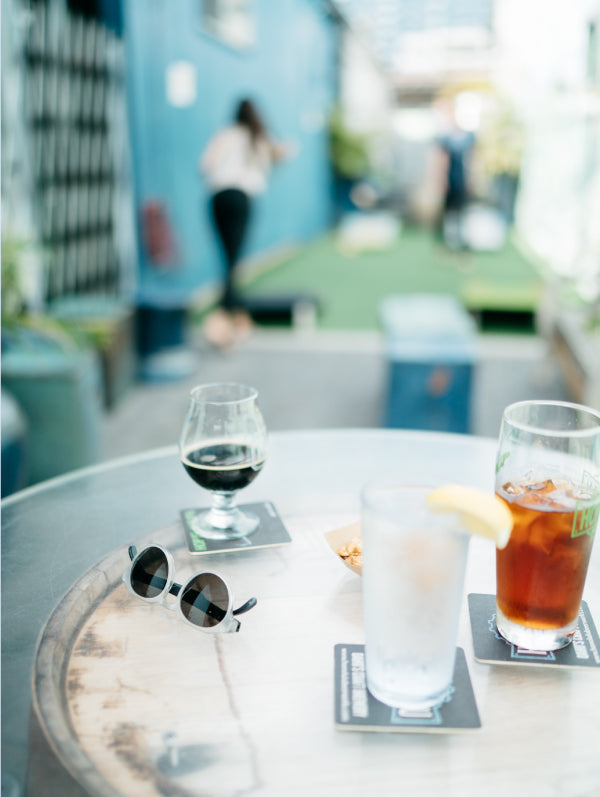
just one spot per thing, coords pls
(223, 467)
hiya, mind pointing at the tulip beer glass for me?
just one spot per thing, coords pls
(548, 472)
(223, 448)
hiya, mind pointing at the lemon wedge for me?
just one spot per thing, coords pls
(480, 513)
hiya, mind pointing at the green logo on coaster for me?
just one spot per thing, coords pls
(197, 543)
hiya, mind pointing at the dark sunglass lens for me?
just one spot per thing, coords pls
(205, 600)
(150, 572)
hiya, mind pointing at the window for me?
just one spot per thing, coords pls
(231, 21)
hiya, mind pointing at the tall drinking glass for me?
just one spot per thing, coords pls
(413, 572)
(223, 448)
(548, 472)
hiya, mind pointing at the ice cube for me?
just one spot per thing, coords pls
(541, 536)
(570, 557)
(581, 494)
(541, 487)
(512, 489)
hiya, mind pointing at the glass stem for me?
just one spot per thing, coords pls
(222, 510)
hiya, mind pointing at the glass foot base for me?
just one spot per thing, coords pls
(215, 524)
(534, 638)
(408, 703)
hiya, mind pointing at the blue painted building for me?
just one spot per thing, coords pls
(288, 65)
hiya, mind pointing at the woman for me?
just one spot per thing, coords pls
(236, 164)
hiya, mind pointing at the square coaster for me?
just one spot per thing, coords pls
(271, 531)
(357, 710)
(491, 648)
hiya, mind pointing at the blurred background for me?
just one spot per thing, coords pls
(371, 306)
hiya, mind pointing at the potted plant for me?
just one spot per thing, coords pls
(349, 157)
(52, 372)
(500, 147)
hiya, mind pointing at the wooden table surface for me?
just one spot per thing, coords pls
(136, 702)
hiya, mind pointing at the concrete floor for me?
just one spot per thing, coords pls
(310, 380)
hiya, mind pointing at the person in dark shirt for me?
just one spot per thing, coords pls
(456, 147)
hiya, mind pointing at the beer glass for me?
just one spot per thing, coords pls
(548, 472)
(223, 447)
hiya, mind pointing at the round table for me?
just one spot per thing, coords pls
(157, 707)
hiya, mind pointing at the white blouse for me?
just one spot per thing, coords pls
(231, 160)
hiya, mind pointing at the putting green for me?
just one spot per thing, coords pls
(350, 287)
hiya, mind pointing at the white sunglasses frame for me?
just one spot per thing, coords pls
(229, 624)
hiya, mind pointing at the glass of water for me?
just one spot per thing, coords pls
(414, 563)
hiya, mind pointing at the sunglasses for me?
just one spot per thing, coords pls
(205, 600)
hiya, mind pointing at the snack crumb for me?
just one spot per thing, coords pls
(352, 552)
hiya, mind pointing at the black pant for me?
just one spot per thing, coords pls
(231, 212)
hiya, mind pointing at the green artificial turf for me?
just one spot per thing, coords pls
(502, 287)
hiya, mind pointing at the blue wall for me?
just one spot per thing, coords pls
(290, 72)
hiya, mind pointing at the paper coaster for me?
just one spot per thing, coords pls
(491, 648)
(357, 710)
(271, 531)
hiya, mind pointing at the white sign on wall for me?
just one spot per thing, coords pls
(181, 84)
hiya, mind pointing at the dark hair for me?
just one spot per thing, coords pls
(248, 116)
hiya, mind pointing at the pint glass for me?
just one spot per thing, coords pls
(413, 573)
(548, 472)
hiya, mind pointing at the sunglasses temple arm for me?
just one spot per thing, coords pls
(250, 604)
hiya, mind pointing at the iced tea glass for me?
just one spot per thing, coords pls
(413, 571)
(548, 472)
